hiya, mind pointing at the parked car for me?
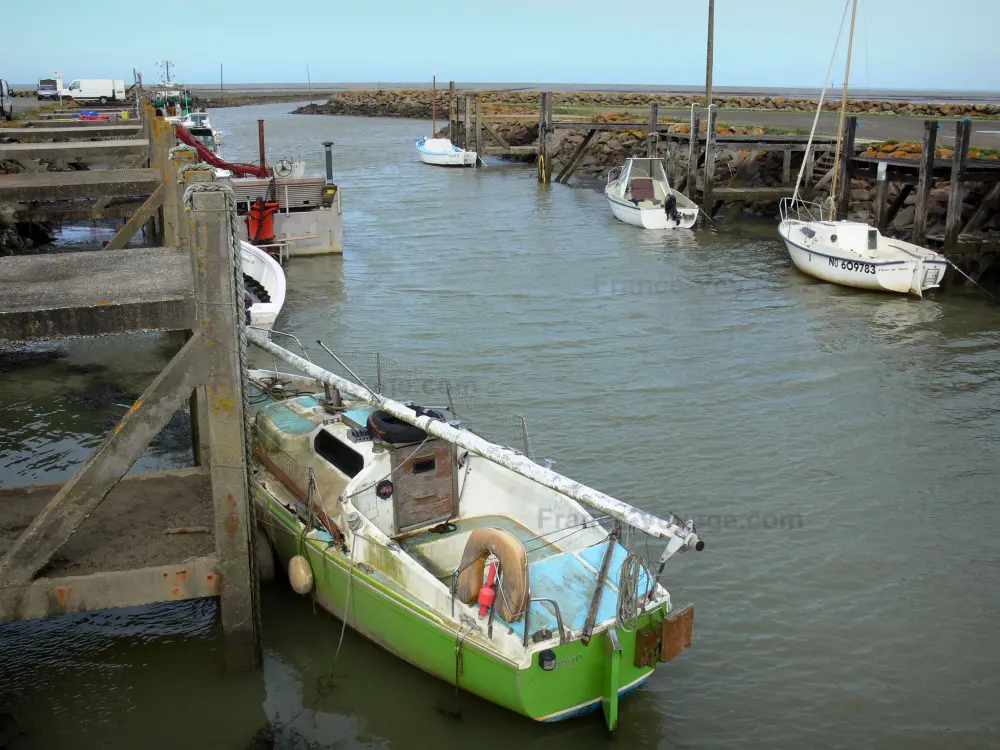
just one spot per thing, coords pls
(47, 89)
(6, 101)
(101, 90)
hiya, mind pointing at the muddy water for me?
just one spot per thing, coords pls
(837, 449)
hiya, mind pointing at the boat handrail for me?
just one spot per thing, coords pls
(558, 613)
(796, 208)
(612, 176)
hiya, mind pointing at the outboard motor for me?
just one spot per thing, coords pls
(670, 207)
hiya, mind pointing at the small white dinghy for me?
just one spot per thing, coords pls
(852, 253)
(443, 153)
(641, 195)
(264, 283)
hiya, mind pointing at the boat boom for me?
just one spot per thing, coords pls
(681, 536)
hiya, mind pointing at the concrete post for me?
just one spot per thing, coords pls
(220, 313)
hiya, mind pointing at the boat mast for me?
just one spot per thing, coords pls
(843, 109)
(819, 107)
(434, 103)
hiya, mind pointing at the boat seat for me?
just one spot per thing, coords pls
(642, 189)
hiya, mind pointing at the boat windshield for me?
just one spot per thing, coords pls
(647, 168)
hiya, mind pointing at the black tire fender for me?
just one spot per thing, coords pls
(389, 429)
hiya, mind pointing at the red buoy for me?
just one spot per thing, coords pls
(487, 594)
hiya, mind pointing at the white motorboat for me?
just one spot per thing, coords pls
(443, 153)
(264, 282)
(639, 194)
(852, 253)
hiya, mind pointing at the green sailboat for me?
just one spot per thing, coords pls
(462, 557)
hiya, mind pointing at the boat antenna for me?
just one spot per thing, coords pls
(822, 97)
(434, 101)
(353, 374)
(843, 110)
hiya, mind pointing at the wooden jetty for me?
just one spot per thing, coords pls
(82, 546)
(691, 156)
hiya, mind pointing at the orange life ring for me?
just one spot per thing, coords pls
(512, 599)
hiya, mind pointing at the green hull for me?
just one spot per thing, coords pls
(580, 683)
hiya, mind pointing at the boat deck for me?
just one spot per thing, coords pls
(569, 578)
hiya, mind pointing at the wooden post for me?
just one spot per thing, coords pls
(808, 168)
(708, 190)
(786, 166)
(544, 117)
(651, 135)
(711, 40)
(479, 132)
(570, 167)
(452, 124)
(953, 223)
(898, 202)
(468, 123)
(881, 198)
(222, 316)
(844, 178)
(693, 151)
(925, 181)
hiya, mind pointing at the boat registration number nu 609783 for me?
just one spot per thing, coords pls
(853, 265)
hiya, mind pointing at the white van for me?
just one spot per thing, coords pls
(101, 90)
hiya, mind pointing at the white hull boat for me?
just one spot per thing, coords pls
(641, 196)
(851, 253)
(264, 282)
(442, 152)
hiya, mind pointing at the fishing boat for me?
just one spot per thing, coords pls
(264, 282)
(442, 152)
(460, 556)
(639, 194)
(851, 253)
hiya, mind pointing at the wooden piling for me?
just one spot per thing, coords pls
(544, 118)
(468, 122)
(786, 167)
(953, 222)
(651, 134)
(211, 243)
(880, 201)
(452, 124)
(844, 178)
(693, 153)
(479, 132)
(808, 168)
(925, 181)
(708, 189)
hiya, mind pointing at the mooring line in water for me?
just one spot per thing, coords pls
(985, 291)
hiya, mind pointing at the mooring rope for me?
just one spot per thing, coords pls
(985, 291)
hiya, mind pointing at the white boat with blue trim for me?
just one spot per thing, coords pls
(851, 253)
(442, 152)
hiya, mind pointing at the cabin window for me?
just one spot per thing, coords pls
(339, 454)
(422, 467)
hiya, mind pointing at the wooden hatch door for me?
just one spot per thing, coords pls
(423, 485)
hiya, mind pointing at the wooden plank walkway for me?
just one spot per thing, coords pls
(85, 184)
(94, 293)
(73, 132)
(976, 170)
(78, 149)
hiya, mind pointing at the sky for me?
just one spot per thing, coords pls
(907, 44)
